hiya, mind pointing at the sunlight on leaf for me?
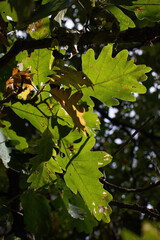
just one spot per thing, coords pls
(83, 175)
(113, 77)
(44, 174)
(149, 9)
(19, 142)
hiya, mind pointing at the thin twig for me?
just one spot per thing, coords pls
(136, 207)
(132, 136)
(131, 35)
(19, 213)
(129, 190)
(4, 141)
(156, 168)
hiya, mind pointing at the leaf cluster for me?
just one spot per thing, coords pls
(48, 97)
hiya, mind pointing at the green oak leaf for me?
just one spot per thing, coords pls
(23, 9)
(113, 77)
(32, 114)
(39, 29)
(82, 175)
(44, 149)
(36, 213)
(6, 10)
(38, 61)
(149, 9)
(70, 77)
(44, 174)
(43, 165)
(123, 19)
(19, 142)
(76, 207)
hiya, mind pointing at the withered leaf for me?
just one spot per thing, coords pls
(19, 82)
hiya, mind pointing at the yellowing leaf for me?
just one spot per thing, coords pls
(39, 29)
(69, 103)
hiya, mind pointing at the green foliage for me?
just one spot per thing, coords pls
(19, 142)
(146, 9)
(57, 138)
(37, 219)
(117, 75)
(43, 165)
(23, 11)
(38, 61)
(70, 77)
(123, 19)
(82, 176)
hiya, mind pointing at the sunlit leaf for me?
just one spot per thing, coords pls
(38, 62)
(32, 114)
(19, 82)
(123, 19)
(82, 175)
(6, 10)
(149, 9)
(18, 141)
(44, 174)
(59, 17)
(39, 29)
(113, 77)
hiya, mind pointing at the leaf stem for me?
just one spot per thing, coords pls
(121, 189)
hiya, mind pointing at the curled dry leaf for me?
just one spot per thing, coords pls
(19, 82)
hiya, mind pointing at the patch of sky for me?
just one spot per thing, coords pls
(118, 141)
(132, 113)
(112, 112)
(114, 165)
(69, 23)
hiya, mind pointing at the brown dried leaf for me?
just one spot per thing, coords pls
(19, 81)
